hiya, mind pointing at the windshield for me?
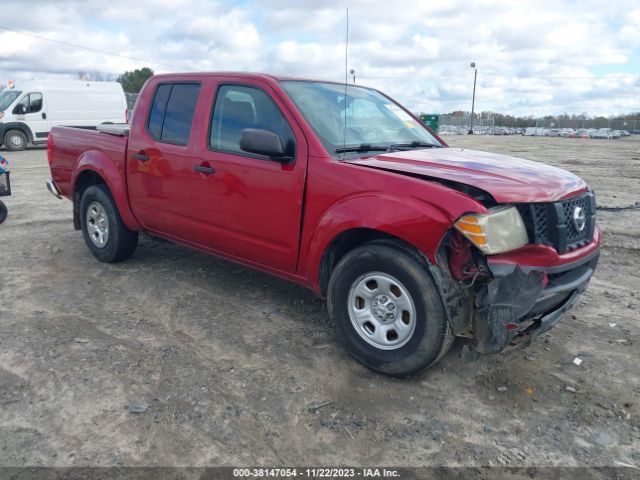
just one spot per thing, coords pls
(7, 97)
(373, 122)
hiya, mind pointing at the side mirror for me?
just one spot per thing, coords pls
(263, 142)
(20, 110)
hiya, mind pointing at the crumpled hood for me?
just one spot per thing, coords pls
(507, 179)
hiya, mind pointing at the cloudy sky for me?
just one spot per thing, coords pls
(534, 57)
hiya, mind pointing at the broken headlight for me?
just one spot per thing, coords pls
(500, 230)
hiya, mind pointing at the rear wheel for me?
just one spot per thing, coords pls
(15, 140)
(104, 232)
(387, 311)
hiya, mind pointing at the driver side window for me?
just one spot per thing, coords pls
(239, 107)
(31, 102)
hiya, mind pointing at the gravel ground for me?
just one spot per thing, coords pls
(178, 358)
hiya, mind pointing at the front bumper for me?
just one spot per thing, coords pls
(521, 302)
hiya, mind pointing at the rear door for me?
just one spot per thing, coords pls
(160, 160)
(35, 116)
(245, 205)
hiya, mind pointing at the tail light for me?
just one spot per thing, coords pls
(50, 148)
(126, 115)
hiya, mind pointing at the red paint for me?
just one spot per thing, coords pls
(507, 179)
(50, 149)
(546, 256)
(281, 218)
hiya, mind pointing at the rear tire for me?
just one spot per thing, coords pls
(386, 309)
(15, 140)
(105, 234)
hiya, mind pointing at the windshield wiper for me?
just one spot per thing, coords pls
(363, 147)
(414, 144)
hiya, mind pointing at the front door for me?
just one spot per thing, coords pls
(30, 110)
(159, 160)
(249, 206)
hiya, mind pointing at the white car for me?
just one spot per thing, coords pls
(29, 109)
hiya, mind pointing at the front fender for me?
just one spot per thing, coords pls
(419, 222)
(114, 178)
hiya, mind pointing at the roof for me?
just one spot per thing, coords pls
(53, 85)
(247, 75)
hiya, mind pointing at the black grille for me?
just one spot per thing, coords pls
(553, 223)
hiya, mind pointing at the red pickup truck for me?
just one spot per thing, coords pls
(342, 190)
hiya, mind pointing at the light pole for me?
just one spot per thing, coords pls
(473, 101)
(353, 72)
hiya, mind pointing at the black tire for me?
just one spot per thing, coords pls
(121, 242)
(431, 337)
(15, 140)
(4, 212)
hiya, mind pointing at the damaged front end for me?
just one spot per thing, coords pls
(499, 304)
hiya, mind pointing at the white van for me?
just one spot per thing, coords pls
(29, 109)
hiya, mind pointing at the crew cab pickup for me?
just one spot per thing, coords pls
(340, 189)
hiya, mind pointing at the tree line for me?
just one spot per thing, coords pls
(132, 81)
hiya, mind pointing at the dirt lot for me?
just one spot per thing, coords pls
(178, 358)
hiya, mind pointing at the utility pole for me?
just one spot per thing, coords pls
(473, 101)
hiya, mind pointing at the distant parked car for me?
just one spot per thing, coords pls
(605, 133)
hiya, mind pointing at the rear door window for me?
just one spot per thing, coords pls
(159, 106)
(171, 114)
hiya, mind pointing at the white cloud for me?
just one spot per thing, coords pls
(538, 57)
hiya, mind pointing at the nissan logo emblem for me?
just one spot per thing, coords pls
(579, 219)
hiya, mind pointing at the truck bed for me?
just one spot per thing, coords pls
(69, 146)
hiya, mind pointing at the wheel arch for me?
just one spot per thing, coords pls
(23, 127)
(84, 180)
(94, 168)
(415, 223)
(353, 238)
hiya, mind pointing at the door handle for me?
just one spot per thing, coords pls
(140, 156)
(206, 169)
(44, 116)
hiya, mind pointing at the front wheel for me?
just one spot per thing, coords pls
(104, 232)
(15, 140)
(386, 310)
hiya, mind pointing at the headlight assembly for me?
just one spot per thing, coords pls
(500, 230)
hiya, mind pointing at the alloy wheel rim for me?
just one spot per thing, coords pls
(16, 140)
(97, 224)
